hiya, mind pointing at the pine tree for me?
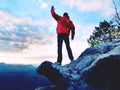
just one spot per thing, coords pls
(105, 32)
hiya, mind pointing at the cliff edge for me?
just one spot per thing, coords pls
(97, 68)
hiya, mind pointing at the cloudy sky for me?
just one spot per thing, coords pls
(28, 31)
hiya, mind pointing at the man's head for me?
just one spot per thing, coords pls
(66, 15)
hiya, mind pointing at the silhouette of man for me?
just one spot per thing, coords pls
(64, 27)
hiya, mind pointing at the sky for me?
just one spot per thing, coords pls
(28, 31)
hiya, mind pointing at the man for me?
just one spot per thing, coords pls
(64, 27)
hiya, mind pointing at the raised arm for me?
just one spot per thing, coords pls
(55, 16)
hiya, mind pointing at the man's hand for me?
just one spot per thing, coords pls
(72, 37)
(52, 7)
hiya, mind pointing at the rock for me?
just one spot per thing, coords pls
(47, 88)
(105, 73)
(53, 73)
(97, 68)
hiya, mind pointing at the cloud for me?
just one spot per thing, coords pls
(19, 33)
(83, 31)
(8, 19)
(102, 6)
(43, 5)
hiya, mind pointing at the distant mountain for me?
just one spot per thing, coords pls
(20, 77)
(97, 68)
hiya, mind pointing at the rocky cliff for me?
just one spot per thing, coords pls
(97, 68)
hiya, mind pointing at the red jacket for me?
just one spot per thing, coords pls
(64, 24)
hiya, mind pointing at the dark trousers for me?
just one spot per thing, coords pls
(60, 39)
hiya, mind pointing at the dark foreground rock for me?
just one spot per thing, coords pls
(105, 73)
(97, 68)
(52, 72)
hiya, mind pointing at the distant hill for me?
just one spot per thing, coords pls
(20, 77)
